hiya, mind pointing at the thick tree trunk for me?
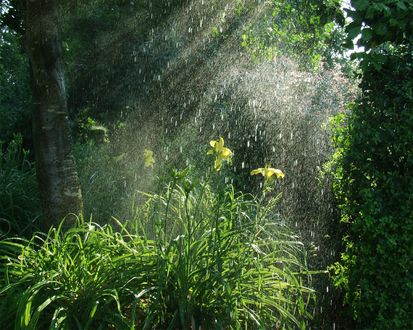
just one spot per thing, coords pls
(56, 171)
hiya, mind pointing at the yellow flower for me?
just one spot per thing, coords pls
(221, 153)
(148, 156)
(268, 172)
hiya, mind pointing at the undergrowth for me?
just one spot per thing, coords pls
(190, 257)
(19, 199)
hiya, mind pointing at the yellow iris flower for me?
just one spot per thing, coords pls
(148, 157)
(222, 153)
(268, 172)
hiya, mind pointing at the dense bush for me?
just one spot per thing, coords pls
(189, 258)
(374, 185)
(374, 173)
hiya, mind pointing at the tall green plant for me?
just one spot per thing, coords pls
(223, 261)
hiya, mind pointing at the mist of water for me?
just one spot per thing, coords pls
(193, 82)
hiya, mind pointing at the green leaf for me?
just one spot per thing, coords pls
(27, 313)
(401, 5)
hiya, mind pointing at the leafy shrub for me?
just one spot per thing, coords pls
(19, 200)
(191, 257)
(374, 186)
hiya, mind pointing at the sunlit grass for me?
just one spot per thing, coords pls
(74, 280)
(192, 256)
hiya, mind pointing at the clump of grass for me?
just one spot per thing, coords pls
(191, 257)
(80, 279)
(222, 260)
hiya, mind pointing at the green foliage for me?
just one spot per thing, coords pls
(374, 186)
(19, 200)
(304, 30)
(380, 22)
(384, 27)
(74, 280)
(190, 258)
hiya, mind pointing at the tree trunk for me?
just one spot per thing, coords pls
(56, 169)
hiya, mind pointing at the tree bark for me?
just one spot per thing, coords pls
(56, 169)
